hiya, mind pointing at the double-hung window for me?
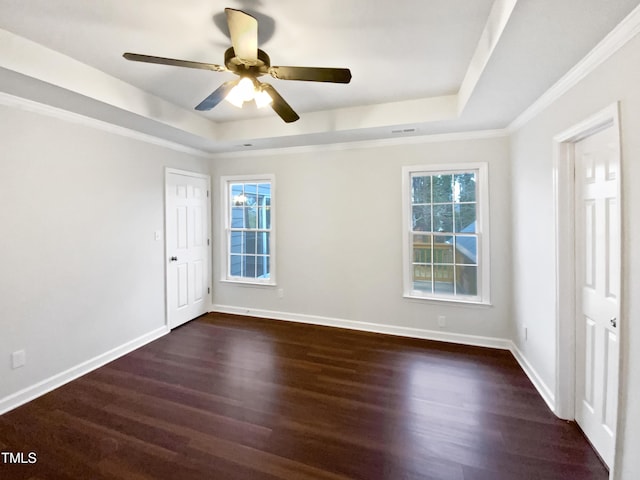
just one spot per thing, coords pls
(446, 244)
(249, 229)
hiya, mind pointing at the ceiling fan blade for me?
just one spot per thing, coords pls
(136, 57)
(217, 96)
(244, 34)
(312, 74)
(279, 105)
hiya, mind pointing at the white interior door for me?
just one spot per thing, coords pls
(597, 214)
(187, 236)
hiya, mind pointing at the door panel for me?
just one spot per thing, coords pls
(182, 284)
(613, 248)
(590, 346)
(198, 280)
(611, 372)
(198, 226)
(188, 248)
(590, 241)
(181, 226)
(597, 290)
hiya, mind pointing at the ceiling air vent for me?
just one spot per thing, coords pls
(403, 130)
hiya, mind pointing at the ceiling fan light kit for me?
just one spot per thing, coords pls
(244, 91)
(262, 99)
(247, 61)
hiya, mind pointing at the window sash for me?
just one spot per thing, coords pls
(443, 264)
(447, 261)
(249, 247)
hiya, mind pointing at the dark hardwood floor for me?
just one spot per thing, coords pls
(228, 397)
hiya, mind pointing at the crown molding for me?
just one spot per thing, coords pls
(616, 39)
(72, 117)
(364, 144)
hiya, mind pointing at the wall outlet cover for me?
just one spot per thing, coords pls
(18, 359)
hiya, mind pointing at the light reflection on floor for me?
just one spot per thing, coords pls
(252, 378)
(432, 414)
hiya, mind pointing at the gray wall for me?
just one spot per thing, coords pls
(81, 270)
(339, 237)
(534, 238)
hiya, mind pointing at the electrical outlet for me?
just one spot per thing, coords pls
(442, 321)
(18, 359)
(526, 333)
(281, 293)
(157, 235)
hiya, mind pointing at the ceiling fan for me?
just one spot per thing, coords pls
(247, 61)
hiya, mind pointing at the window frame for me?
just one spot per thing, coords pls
(482, 231)
(226, 182)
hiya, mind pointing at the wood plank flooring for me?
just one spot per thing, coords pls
(229, 397)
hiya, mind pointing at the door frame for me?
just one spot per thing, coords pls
(564, 202)
(188, 173)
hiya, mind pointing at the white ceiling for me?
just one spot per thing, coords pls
(418, 67)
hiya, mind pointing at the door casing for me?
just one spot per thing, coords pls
(564, 191)
(207, 178)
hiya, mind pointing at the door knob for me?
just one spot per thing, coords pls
(614, 322)
(173, 259)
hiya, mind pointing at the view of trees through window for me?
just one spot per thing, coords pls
(444, 233)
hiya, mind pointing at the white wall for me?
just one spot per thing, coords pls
(81, 272)
(339, 238)
(533, 235)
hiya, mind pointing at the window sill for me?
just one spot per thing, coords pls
(455, 301)
(248, 283)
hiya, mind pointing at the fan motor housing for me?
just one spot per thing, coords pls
(242, 67)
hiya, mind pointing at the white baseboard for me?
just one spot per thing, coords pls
(45, 386)
(51, 383)
(543, 389)
(441, 336)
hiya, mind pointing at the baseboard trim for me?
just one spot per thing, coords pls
(543, 389)
(51, 383)
(458, 338)
(30, 393)
(478, 341)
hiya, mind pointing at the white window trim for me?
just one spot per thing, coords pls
(225, 181)
(484, 263)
